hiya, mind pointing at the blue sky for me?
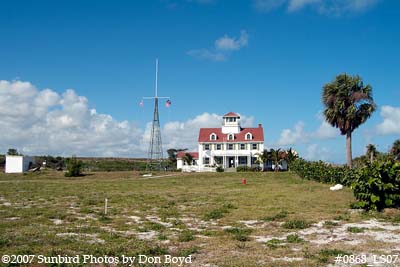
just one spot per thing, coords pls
(266, 60)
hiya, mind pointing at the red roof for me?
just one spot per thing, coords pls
(257, 133)
(181, 154)
(231, 114)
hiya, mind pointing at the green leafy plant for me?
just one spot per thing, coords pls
(74, 167)
(377, 185)
(296, 224)
(239, 234)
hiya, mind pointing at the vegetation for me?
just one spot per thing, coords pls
(395, 150)
(188, 159)
(377, 185)
(348, 104)
(323, 172)
(74, 167)
(49, 214)
(12, 152)
(245, 168)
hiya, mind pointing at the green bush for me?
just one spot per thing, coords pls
(219, 169)
(377, 185)
(323, 172)
(74, 167)
(248, 169)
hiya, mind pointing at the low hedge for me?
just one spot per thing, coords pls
(323, 172)
(244, 168)
(376, 186)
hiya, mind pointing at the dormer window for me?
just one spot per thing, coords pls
(249, 136)
(213, 137)
(231, 137)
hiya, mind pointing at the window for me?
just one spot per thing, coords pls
(213, 137)
(207, 147)
(249, 136)
(231, 137)
(230, 146)
(242, 146)
(254, 146)
(218, 146)
(206, 160)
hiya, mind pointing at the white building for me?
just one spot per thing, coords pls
(18, 164)
(229, 146)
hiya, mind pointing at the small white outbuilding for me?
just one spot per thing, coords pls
(18, 164)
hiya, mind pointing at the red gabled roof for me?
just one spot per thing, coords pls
(231, 114)
(181, 154)
(257, 133)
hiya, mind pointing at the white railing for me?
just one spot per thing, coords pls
(194, 168)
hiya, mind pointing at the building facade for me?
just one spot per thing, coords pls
(230, 145)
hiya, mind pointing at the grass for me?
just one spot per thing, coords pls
(183, 207)
(296, 224)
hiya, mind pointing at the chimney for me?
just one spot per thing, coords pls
(259, 125)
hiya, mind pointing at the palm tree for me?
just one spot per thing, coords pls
(264, 157)
(371, 152)
(395, 151)
(188, 159)
(277, 157)
(291, 155)
(348, 104)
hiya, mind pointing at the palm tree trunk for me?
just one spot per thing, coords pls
(348, 150)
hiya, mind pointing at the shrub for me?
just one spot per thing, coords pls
(186, 236)
(294, 239)
(377, 185)
(213, 215)
(239, 234)
(74, 167)
(296, 224)
(219, 169)
(323, 172)
(248, 169)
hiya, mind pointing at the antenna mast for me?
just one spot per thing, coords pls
(155, 154)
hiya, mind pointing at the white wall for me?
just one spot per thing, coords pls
(17, 164)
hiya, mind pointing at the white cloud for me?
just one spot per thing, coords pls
(227, 43)
(326, 7)
(39, 122)
(185, 134)
(295, 5)
(289, 136)
(391, 120)
(297, 135)
(44, 122)
(267, 5)
(326, 131)
(223, 46)
(315, 152)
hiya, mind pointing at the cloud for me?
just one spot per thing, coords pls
(267, 5)
(324, 7)
(223, 47)
(391, 121)
(227, 43)
(42, 122)
(178, 134)
(297, 135)
(315, 152)
(289, 136)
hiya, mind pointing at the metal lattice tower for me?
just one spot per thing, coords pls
(155, 155)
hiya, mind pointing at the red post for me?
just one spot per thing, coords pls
(244, 181)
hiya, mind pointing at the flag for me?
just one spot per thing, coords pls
(168, 103)
(141, 103)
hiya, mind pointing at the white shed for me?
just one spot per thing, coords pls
(18, 164)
